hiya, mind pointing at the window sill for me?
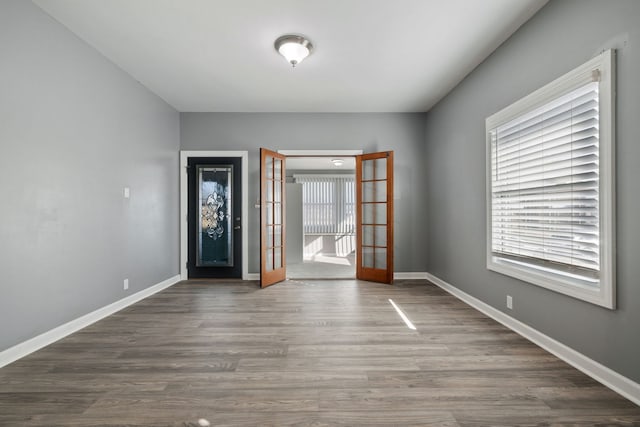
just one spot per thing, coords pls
(595, 292)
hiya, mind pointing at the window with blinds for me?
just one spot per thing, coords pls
(550, 185)
(544, 184)
(328, 204)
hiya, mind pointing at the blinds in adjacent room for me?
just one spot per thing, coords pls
(545, 184)
(328, 204)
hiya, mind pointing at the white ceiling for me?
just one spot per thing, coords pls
(370, 55)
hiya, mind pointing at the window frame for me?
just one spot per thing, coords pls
(603, 68)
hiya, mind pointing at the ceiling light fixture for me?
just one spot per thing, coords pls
(337, 162)
(293, 47)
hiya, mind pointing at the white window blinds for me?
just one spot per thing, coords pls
(328, 204)
(545, 185)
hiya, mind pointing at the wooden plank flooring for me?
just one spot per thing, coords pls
(312, 353)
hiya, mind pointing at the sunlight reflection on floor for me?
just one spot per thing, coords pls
(323, 267)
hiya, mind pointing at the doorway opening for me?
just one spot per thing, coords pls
(321, 217)
(373, 216)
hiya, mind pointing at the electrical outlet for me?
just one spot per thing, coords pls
(127, 192)
(509, 302)
(126, 284)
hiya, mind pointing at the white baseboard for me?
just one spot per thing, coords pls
(616, 382)
(253, 276)
(410, 275)
(19, 351)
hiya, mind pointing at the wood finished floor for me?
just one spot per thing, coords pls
(310, 353)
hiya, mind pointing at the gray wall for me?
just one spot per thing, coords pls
(563, 35)
(74, 131)
(403, 133)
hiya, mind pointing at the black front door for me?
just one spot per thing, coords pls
(215, 212)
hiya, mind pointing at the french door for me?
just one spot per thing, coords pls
(374, 217)
(272, 218)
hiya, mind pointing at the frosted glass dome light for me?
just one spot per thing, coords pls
(294, 48)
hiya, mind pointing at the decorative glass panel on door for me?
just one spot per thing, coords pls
(215, 228)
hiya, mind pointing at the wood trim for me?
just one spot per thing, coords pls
(390, 218)
(272, 276)
(359, 274)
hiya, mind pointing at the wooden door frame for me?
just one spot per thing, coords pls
(184, 187)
